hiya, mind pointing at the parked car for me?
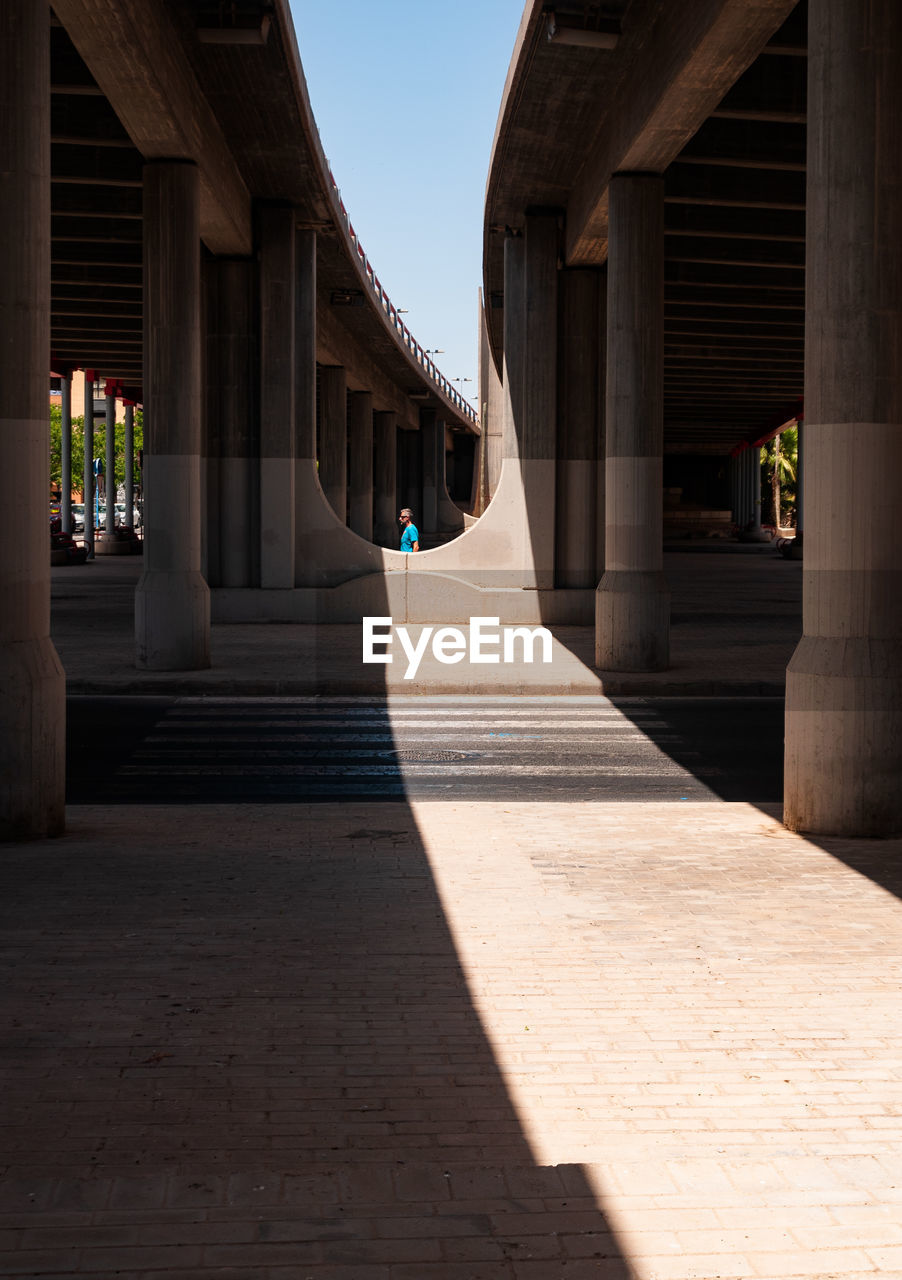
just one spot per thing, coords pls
(122, 519)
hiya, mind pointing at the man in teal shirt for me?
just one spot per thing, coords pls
(410, 538)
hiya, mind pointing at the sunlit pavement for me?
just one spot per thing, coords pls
(451, 1040)
(481, 1035)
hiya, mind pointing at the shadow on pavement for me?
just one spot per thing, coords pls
(240, 1042)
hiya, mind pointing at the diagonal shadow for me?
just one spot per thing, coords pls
(241, 1043)
(243, 1039)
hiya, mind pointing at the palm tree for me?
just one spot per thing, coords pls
(780, 459)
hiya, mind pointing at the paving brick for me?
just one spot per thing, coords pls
(712, 1048)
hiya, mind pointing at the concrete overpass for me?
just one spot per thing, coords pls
(174, 233)
(645, 304)
(645, 279)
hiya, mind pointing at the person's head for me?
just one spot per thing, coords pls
(406, 516)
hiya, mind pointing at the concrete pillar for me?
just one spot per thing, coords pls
(106, 539)
(66, 453)
(211, 425)
(431, 447)
(232, 402)
(581, 354)
(844, 682)
(32, 688)
(360, 436)
(305, 345)
(449, 517)
(491, 416)
(601, 436)
(514, 346)
(538, 432)
(755, 465)
(88, 464)
(538, 419)
(277, 396)
(110, 463)
(172, 601)
(410, 474)
(333, 455)
(632, 604)
(385, 477)
(130, 465)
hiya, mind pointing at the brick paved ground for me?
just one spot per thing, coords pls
(452, 1042)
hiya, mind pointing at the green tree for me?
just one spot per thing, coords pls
(779, 462)
(78, 447)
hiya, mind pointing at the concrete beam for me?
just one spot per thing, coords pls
(136, 55)
(693, 56)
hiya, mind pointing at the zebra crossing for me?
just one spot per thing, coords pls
(228, 749)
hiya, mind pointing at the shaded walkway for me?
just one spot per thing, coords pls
(450, 1041)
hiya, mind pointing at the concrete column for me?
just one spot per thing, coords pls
(410, 473)
(430, 429)
(333, 458)
(277, 397)
(106, 541)
(755, 464)
(233, 403)
(449, 517)
(844, 682)
(88, 464)
(538, 424)
(66, 453)
(305, 345)
(110, 479)
(385, 508)
(360, 436)
(538, 432)
(491, 416)
(601, 436)
(514, 346)
(632, 605)
(581, 353)
(32, 689)
(130, 465)
(172, 601)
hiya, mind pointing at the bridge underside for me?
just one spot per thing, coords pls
(176, 233)
(691, 240)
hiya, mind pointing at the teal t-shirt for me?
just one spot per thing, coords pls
(409, 537)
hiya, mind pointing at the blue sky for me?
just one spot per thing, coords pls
(406, 96)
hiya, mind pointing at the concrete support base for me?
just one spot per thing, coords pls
(407, 598)
(32, 745)
(632, 621)
(172, 621)
(110, 544)
(843, 744)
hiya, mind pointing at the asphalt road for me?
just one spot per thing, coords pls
(140, 750)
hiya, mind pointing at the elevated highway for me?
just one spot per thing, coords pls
(692, 221)
(692, 224)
